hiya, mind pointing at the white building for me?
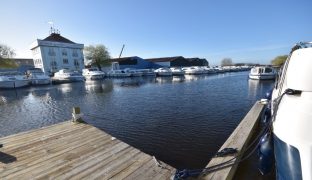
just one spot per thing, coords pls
(56, 52)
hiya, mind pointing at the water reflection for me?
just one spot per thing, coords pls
(257, 87)
(165, 79)
(103, 86)
(178, 79)
(7, 96)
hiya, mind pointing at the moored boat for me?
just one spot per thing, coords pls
(262, 73)
(93, 74)
(65, 75)
(291, 115)
(118, 73)
(133, 72)
(37, 77)
(147, 72)
(177, 71)
(13, 80)
(163, 72)
(193, 70)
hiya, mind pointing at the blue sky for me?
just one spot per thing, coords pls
(244, 30)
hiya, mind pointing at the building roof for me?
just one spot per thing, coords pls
(124, 59)
(164, 59)
(58, 38)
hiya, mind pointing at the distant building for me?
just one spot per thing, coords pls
(177, 61)
(133, 62)
(55, 52)
(23, 62)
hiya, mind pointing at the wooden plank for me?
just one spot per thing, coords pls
(42, 151)
(238, 139)
(142, 171)
(73, 151)
(99, 149)
(39, 136)
(48, 157)
(130, 169)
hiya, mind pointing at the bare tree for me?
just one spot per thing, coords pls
(97, 54)
(6, 52)
(226, 62)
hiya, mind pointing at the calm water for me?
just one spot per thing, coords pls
(182, 121)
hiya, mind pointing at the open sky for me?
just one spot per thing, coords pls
(245, 30)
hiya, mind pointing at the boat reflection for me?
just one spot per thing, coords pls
(255, 87)
(10, 95)
(164, 79)
(178, 79)
(194, 77)
(102, 86)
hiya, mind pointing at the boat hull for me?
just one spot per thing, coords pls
(164, 73)
(40, 81)
(93, 77)
(287, 160)
(14, 84)
(178, 73)
(262, 76)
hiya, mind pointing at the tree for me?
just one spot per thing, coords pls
(226, 62)
(97, 54)
(279, 60)
(6, 52)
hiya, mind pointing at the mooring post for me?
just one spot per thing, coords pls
(76, 116)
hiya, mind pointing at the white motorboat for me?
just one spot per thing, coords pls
(262, 72)
(177, 71)
(118, 73)
(193, 70)
(163, 72)
(93, 74)
(65, 75)
(209, 70)
(133, 72)
(37, 77)
(147, 72)
(291, 115)
(13, 80)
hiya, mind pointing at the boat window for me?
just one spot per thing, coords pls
(260, 70)
(254, 70)
(268, 70)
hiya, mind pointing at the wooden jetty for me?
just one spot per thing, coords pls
(72, 150)
(238, 139)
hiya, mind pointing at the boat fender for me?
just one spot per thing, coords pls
(266, 118)
(266, 154)
(268, 95)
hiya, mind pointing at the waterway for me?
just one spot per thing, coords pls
(181, 120)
